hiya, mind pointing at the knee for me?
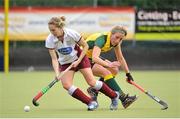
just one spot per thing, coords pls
(105, 73)
(115, 71)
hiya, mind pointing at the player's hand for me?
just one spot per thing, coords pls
(114, 64)
(129, 77)
(57, 77)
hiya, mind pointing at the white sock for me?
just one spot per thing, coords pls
(72, 89)
(98, 85)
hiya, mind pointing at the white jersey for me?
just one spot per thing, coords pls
(66, 49)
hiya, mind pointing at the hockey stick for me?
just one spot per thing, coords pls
(164, 104)
(45, 89)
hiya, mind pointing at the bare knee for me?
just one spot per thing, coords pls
(105, 73)
(114, 71)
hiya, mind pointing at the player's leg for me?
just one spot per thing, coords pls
(126, 99)
(114, 70)
(100, 86)
(67, 82)
(85, 68)
(109, 79)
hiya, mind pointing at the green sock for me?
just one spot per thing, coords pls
(113, 85)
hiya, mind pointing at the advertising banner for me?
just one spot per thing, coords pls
(32, 23)
(161, 20)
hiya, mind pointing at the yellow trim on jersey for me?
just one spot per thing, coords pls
(107, 45)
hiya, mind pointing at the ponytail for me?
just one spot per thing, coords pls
(57, 21)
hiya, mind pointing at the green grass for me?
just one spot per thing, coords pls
(18, 88)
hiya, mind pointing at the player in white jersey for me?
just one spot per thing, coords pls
(66, 43)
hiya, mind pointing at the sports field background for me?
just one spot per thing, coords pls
(147, 52)
(18, 88)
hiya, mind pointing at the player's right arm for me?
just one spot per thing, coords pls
(49, 44)
(96, 51)
(55, 62)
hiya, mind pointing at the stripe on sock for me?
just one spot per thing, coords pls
(72, 89)
(98, 85)
(107, 77)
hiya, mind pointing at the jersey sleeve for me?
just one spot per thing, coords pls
(100, 41)
(49, 42)
(75, 35)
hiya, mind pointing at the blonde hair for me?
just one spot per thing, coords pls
(57, 21)
(119, 29)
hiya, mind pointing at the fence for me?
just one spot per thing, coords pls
(139, 55)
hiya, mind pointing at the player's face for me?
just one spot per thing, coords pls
(116, 38)
(56, 31)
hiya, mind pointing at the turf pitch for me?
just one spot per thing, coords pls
(18, 88)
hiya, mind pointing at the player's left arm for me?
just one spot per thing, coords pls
(121, 59)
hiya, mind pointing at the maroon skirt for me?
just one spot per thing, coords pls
(85, 63)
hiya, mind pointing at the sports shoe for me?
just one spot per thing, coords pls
(128, 100)
(93, 93)
(92, 106)
(114, 102)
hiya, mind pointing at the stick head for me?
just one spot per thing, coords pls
(164, 104)
(164, 108)
(35, 103)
